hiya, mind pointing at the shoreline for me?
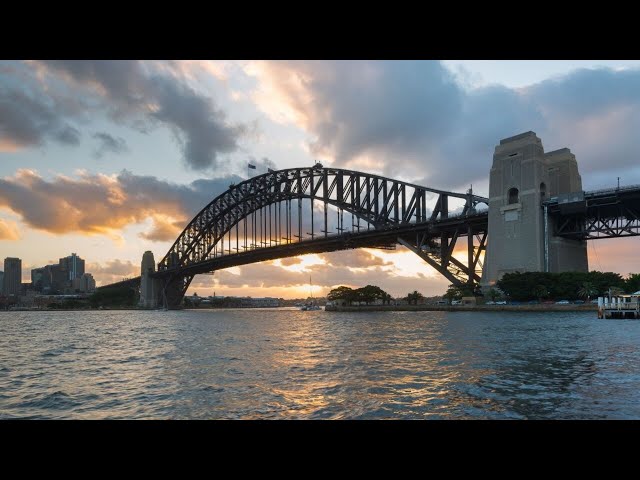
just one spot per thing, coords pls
(463, 308)
(364, 308)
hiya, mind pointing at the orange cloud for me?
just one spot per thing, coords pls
(111, 271)
(8, 230)
(101, 204)
(8, 146)
(164, 229)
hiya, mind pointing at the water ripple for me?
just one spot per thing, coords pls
(241, 364)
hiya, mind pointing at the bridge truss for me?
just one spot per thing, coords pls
(599, 214)
(309, 210)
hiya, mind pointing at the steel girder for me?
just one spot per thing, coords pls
(381, 202)
(606, 213)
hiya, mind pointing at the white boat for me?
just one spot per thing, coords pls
(306, 308)
(311, 305)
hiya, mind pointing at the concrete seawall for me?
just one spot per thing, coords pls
(464, 308)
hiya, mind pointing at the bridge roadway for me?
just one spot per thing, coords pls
(598, 214)
(382, 237)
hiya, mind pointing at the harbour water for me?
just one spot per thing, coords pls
(288, 364)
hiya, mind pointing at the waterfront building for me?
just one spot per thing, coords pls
(73, 265)
(39, 277)
(84, 283)
(55, 279)
(12, 282)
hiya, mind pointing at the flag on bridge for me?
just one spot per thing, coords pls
(253, 167)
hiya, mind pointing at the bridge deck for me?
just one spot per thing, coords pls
(382, 237)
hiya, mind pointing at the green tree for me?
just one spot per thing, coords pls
(386, 299)
(587, 290)
(413, 297)
(342, 293)
(603, 280)
(632, 284)
(453, 293)
(493, 294)
(114, 297)
(369, 294)
(541, 292)
(615, 291)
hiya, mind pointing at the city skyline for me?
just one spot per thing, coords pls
(66, 276)
(114, 158)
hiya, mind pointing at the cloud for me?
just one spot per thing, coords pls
(29, 120)
(411, 120)
(287, 262)
(8, 230)
(135, 91)
(101, 204)
(354, 259)
(108, 144)
(262, 166)
(112, 271)
(267, 276)
(163, 230)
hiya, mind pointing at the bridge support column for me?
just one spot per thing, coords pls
(172, 291)
(522, 177)
(149, 286)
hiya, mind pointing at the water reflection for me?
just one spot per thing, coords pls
(292, 364)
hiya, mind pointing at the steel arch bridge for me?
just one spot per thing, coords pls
(310, 210)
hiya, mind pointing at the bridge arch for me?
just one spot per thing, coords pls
(390, 208)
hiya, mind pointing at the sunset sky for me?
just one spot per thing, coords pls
(108, 159)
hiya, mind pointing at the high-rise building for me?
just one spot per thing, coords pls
(12, 282)
(73, 265)
(1, 281)
(58, 277)
(52, 278)
(39, 278)
(84, 284)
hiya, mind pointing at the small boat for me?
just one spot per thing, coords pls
(311, 305)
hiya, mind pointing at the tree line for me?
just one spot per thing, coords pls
(564, 286)
(367, 294)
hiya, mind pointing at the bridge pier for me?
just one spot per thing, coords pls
(521, 237)
(149, 286)
(172, 290)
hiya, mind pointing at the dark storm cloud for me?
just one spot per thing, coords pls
(410, 119)
(596, 114)
(147, 98)
(201, 130)
(109, 143)
(392, 106)
(585, 92)
(27, 120)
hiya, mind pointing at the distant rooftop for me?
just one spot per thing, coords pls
(559, 151)
(518, 137)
